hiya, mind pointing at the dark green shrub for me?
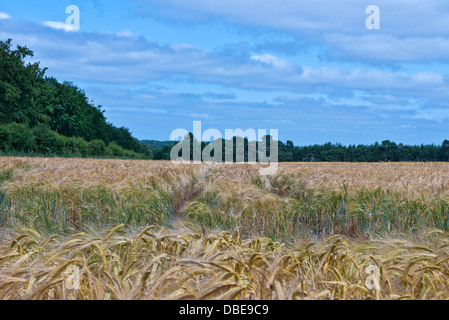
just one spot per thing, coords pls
(97, 148)
(4, 138)
(20, 137)
(114, 150)
(47, 141)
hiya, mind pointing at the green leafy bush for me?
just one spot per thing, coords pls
(20, 137)
(97, 147)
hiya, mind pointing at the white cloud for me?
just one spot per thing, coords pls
(127, 33)
(114, 59)
(109, 58)
(399, 17)
(4, 15)
(410, 31)
(271, 60)
(388, 48)
(60, 26)
(370, 79)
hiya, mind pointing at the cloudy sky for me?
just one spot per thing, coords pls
(309, 68)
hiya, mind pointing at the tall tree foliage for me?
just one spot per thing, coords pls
(20, 86)
(30, 98)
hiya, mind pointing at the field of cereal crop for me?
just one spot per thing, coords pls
(153, 230)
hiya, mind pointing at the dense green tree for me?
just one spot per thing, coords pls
(20, 85)
(60, 114)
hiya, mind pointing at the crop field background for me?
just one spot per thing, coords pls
(153, 230)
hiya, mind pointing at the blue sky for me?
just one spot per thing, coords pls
(310, 69)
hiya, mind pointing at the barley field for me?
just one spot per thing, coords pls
(153, 230)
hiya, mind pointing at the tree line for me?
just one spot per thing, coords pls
(328, 152)
(377, 152)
